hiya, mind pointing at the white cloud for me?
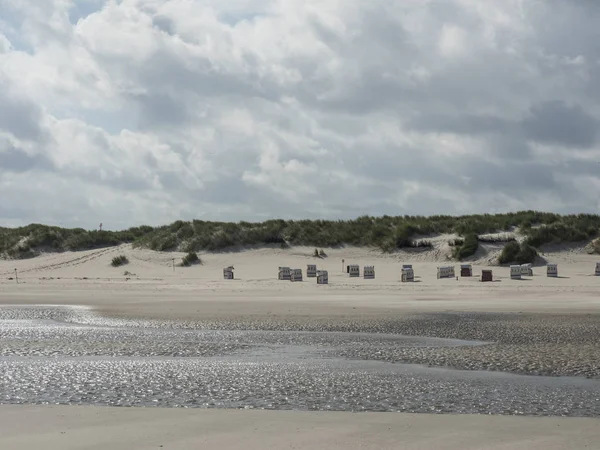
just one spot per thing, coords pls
(453, 41)
(5, 45)
(145, 111)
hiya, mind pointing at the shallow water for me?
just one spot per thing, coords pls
(72, 356)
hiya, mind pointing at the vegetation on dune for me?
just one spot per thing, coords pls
(596, 245)
(456, 242)
(509, 253)
(467, 248)
(515, 253)
(561, 232)
(387, 233)
(190, 259)
(120, 260)
(35, 238)
(319, 253)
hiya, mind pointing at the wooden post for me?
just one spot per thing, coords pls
(17, 276)
(173, 265)
(342, 266)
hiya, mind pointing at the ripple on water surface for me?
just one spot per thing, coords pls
(49, 358)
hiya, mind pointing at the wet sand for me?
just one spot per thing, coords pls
(72, 355)
(69, 428)
(547, 344)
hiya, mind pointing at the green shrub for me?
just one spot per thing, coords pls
(515, 253)
(190, 259)
(388, 246)
(509, 253)
(167, 243)
(186, 231)
(404, 234)
(559, 233)
(119, 261)
(467, 248)
(527, 254)
(21, 252)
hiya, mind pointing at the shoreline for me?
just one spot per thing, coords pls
(199, 301)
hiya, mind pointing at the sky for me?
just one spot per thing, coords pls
(129, 112)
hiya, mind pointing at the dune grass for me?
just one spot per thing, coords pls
(468, 247)
(120, 260)
(389, 233)
(515, 253)
(596, 246)
(32, 239)
(190, 259)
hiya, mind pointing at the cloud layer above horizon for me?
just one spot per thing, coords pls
(146, 111)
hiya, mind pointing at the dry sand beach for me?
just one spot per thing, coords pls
(537, 328)
(153, 289)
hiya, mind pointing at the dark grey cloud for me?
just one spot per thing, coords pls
(555, 122)
(514, 177)
(179, 88)
(12, 213)
(232, 190)
(508, 146)
(398, 164)
(13, 159)
(467, 124)
(164, 24)
(19, 116)
(582, 39)
(161, 110)
(172, 182)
